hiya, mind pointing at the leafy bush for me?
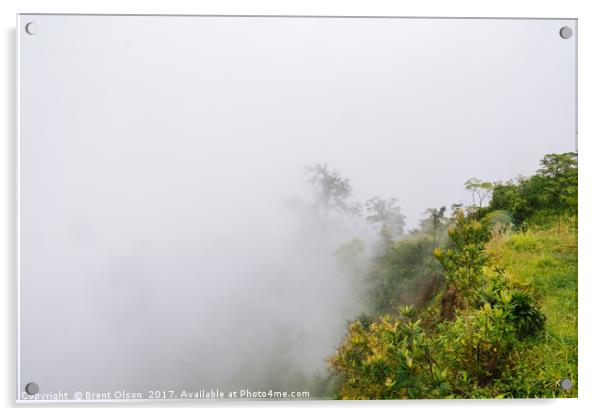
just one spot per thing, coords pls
(550, 193)
(505, 324)
(388, 360)
(399, 357)
(465, 258)
(498, 220)
(415, 354)
(406, 273)
(526, 318)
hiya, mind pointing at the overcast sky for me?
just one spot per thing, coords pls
(160, 155)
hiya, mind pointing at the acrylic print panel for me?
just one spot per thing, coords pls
(296, 207)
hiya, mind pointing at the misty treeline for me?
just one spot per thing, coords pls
(442, 316)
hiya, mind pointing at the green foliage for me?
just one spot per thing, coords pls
(498, 221)
(527, 319)
(434, 226)
(465, 258)
(406, 273)
(558, 178)
(492, 348)
(540, 199)
(387, 217)
(387, 361)
(350, 254)
(434, 222)
(480, 191)
(545, 267)
(399, 357)
(513, 297)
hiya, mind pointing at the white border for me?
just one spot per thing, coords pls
(18, 201)
(590, 146)
(20, 26)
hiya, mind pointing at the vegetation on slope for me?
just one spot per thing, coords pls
(499, 319)
(544, 263)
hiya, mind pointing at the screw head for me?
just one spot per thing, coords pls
(566, 32)
(32, 388)
(31, 28)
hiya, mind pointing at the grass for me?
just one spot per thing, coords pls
(544, 263)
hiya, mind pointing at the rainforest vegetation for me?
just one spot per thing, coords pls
(478, 301)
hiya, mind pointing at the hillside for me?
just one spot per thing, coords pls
(482, 304)
(544, 263)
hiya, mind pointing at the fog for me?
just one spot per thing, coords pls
(169, 235)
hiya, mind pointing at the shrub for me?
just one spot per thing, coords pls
(499, 221)
(411, 354)
(465, 258)
(527, 319)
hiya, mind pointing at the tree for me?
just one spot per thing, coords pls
(332, 190)
(435, 216)
(386, 216)
(550, 193)
(480, 191)
(463, 261)
(559, 177)
(509, 196)
(456, 207)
